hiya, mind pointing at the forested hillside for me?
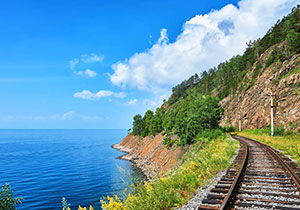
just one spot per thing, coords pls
(195, 104)
(227, 77)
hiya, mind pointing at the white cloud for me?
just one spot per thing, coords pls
(86, 94)
(205, 41)
(87, 73)
(91, 58)
(68, 115)
(85, 59)
(132, 102)
(73, 63)
(157, 100)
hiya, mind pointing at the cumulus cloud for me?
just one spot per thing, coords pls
(87, 73)
(205, 41)
(86, 94)
(131, 102)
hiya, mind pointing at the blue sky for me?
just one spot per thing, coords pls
(95, 64)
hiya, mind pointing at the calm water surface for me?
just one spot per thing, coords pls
(45, 165)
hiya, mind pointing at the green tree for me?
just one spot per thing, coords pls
(156, 122)
(147, 123)
(293, 42)
(7, 200)
(138, 125)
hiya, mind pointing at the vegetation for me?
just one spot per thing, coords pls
(188, 118)
(80, 208)
(226, 77)
(66, 205)
(288, 142)
(228, 129)
(7, 198)
(191, 116)
(200, 163)
(191, 110)
(192, 113)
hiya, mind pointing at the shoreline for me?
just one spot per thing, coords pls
(128, 157)
(123, 149)
(148, 154)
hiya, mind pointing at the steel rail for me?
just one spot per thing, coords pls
(288, 169)
(234, 187)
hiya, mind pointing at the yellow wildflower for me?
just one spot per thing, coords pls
(114, 203)
(163, 179)
(80, 208)
(149, 186)
(193, 165)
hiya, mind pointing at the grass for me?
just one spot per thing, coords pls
(295, 71)
(288, 143)
(201, 162)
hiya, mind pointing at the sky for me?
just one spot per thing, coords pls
(95, 64)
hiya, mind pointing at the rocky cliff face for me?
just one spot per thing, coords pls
(149, 154)
(253, 103)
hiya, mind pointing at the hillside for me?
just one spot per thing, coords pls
(191, 122)
(254, 103)
(241, 85)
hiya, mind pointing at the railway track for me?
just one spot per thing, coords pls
(260, 178)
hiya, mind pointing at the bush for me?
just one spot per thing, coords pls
(279, 131)
(7, 200)
(271, 58)
(293, 42)
(228, 129)
(210, 134)
(200, 163)
(169, 142)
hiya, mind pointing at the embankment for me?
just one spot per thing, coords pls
(149, 154)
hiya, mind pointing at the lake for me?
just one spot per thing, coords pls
(43, 166)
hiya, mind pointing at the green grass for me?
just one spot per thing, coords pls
(288, 143)
(294, 71)
(200, 163)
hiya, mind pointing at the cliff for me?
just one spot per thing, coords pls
(149, 154)
(243, 83)
(254, 102)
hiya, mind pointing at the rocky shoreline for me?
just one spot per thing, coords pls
(148, 154)
(136, 148)
(123, 149)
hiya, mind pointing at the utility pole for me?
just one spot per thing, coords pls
(240, 122)
(272, 111)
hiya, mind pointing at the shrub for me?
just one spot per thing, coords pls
(228, 129)
(210, 134)
(200, 163)
(7, 200)
(271, 58)
(279, 131)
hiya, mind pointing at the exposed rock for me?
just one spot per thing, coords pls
(149, 154)
(254, 103)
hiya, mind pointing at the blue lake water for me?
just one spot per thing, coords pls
(45, 165)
